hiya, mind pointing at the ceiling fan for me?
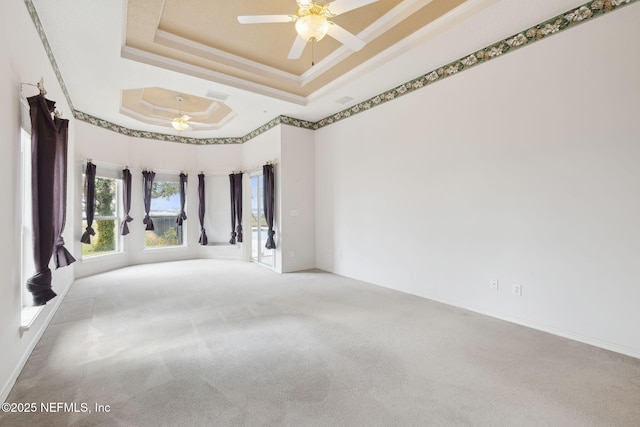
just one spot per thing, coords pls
(182, 122)
(312, 23)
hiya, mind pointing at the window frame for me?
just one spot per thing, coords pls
(104, 173)
(26, 217)
(169, 177)
(259, 249)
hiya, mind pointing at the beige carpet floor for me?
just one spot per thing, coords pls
(219, 343)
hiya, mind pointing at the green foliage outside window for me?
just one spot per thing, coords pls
(164, 190)
(168, 238)
(105, 206)
(106, 229)
(164, 236)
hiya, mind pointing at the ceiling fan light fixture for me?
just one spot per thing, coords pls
(312, 27)
(312, 24)
(304, 3)
(179, 124)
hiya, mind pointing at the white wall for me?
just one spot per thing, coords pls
(23, 60)
(217, 162)
(296, 182)
(217, 210)
(524, 169)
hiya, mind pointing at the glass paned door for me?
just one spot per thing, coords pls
(259, 227)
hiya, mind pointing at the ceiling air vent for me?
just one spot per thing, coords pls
(344, 100)
(216, 95)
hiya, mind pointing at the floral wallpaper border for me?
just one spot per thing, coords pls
(186, 140)
(543, 30)
(569, 19)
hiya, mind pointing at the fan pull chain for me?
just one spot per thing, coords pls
(312, 61)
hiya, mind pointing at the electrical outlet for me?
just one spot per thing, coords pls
(494, 284)
(517, 290)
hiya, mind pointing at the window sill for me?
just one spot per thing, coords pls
(101, 257)
(165, 248)
(28, 317)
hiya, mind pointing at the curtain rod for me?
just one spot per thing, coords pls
(39, 85)
(104, 164)
(166, 171)
(185, 171)
(254, 168)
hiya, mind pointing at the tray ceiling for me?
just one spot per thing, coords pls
(207, 35)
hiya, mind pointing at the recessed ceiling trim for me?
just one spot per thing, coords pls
(219, 125)
(160, 106)
(174, 111)
(392, 18)
(144, 118)
(165, 122)
(134, 54)
(158, 121)
(210, 53)
(387, 21)
(279, 78)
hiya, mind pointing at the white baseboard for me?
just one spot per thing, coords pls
(596, 342)
(6, 389)
(575, 336)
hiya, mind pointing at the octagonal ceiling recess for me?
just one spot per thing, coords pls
(159, 106)
(206, 40)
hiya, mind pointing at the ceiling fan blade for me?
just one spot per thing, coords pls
(296, 49)
(338, 7)
(186, 118)
(345, 37)
(265, 19)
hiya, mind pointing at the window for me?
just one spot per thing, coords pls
(26, 227)
(106, 219)
(259, 227)
(165, 208)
